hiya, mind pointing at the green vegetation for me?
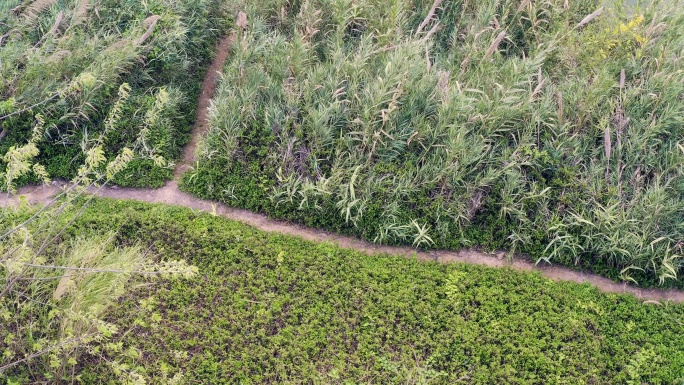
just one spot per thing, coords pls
(57, 288)
(541, 127)
(275, 309)
(553, 128)
(64, 60)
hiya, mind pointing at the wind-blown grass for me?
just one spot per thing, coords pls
(545, 127)
(65, 61)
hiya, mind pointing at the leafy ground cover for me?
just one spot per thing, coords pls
(266, 308)
(543, 127)
(63, 62)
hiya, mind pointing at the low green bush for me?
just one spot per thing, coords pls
(267, 308)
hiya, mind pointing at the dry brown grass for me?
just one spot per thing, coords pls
(495, 44)
(150, 23)
(34, 9)
(81, 12)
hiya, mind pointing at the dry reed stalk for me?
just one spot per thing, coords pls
(495, 44)
(427, 59)
(62, 286)
(474, 204)
(477, 35)
(38, 6)
(442, 86)
(523, 5)
(495, 23)
(464, 64)
(81, 12)
(58, 21)
(607, 146)
(430, 16)
(432, 31)
(54, 31)
(540, 84)
(621, 169)
(3, 37)
(589, 18)
(241, 21)
(539, 75)
(538, 89)
(621, 122)
(150, 22)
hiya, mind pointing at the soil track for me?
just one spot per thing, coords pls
(170, 194)
(202, 115)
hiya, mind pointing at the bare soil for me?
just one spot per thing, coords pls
(171, 195)
(202, 115)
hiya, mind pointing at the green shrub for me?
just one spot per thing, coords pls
(267, 308)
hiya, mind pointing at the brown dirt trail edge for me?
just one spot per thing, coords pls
(202, 115)
(171, 195)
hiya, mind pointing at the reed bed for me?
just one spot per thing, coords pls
(551, 128)
(47, 48)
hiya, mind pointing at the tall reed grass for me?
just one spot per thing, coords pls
(45, 46)
(549, 127)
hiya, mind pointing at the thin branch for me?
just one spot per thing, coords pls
(91, 270)
(29, 107)
(589, 18)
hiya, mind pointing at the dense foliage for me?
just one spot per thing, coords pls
(548, 127)
(543, 127)
(64, 60)
(275, 309)
(55, 289)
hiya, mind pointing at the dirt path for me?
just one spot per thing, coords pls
(170, 194)
(202, 115)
